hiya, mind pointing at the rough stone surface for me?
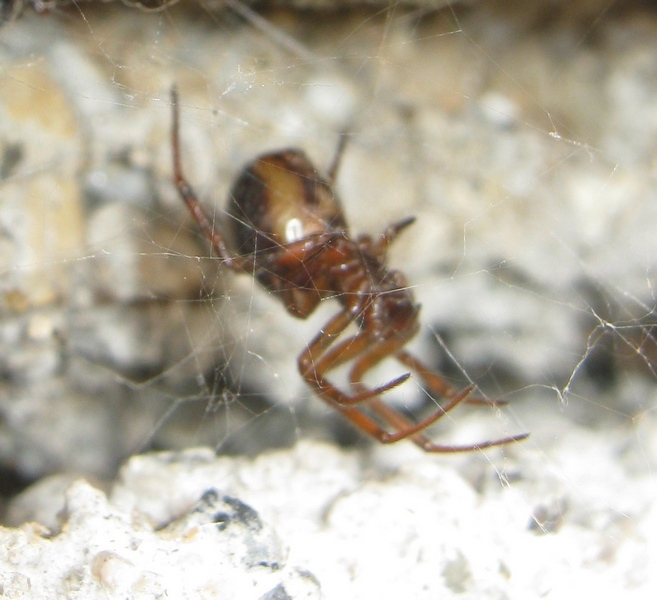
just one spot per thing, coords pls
(219, 548)
(315, 522)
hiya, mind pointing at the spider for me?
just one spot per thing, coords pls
(288, 230)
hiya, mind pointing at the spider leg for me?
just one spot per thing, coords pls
(314, 376)
(337, 158)
(405, 428)
(392, 231)
(378, 245)
(240, 264)
(348, 350)
(317, 359)
(437, 384)
(321, 342)
(412, 431)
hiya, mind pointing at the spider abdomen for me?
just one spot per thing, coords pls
(280, 199)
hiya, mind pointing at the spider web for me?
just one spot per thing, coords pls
(524, 142)
(531, 255)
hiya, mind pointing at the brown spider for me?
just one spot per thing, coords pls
(289, 232)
